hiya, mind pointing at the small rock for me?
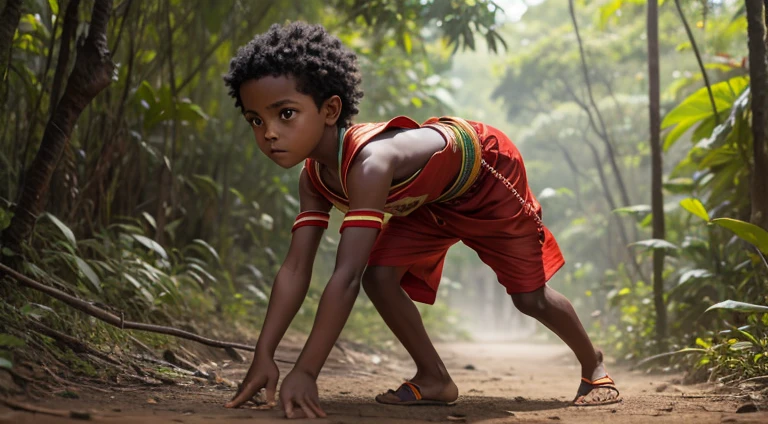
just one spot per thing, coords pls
(613, 411)
(68, 394)
(746, 408)
(554, 418)
(470, 367)
(80, 415)
(152, 401)
(117, 410)
(660, 388)
(511, 414)
(519, 399)
(457, 417)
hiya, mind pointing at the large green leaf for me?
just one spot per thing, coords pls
(89, 273)
(746, 231)
(733, 305)
(63, 228)
(697, 107)
(151, 244)
(695, 207)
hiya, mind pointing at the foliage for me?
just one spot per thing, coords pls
(162, 208)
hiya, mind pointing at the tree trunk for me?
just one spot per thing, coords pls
(91, 74)
(657, 199)
(67, 34)
(758, 75)
(9, 20)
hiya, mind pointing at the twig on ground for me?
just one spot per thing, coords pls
(115, 320)
(78, 415)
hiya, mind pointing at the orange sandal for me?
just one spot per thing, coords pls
(408, 394)
(586, 387)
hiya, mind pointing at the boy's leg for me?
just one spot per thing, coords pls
(382, 284)
(555, 311)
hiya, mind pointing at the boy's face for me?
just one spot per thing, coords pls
(287, 124)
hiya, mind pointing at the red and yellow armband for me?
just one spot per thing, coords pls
(363, 218)
(311, 218)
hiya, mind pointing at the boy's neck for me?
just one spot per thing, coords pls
(327, 151)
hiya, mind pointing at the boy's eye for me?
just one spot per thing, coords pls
(256, 122)
(287, 113)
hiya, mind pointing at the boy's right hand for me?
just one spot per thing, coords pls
(263, 374)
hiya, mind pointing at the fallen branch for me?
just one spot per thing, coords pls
(119, 322)
(760, 378)
(78, 415)
(76, 345)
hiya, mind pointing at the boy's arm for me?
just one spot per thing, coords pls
(369, 180)
(288, 293)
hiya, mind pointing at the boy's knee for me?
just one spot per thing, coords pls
(530, 303)
(373, 277)
(376, 277)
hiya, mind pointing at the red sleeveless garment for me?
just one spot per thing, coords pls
(487, 217)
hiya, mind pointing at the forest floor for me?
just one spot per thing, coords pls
(499, 383)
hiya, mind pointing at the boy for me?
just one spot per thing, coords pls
(443, 181)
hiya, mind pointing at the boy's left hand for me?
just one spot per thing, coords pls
(300, 389)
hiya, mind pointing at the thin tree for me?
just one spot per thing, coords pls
(657, 197)
(9, 20)
(758, 76)
(92, 73)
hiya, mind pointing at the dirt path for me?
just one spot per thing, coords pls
(499, 383)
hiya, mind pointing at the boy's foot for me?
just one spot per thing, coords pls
(410, 394)
(598, 389)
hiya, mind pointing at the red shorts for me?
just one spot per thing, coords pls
(488, 218)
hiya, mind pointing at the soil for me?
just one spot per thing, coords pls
(499, 383)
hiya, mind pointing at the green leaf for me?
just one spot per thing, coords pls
(150, 219)
(693, 274)
(407, 43)
(151, 244)
(746, 231)
(695, 207)
(7, 340)
(733, 305)
(63, 228)
(656, 244)
(4, 363)
(697, 107)
(679, 185)
(633, 210)
(89, 273)
(54, 5)
(208, 248)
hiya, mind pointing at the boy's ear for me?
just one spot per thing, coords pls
(332, 109)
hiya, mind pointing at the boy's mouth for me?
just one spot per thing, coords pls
(277, 151)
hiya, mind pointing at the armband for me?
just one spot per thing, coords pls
(363, 218)
(311, 218)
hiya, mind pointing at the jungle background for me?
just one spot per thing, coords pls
(129, 180)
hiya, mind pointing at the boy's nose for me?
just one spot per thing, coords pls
(270, 134)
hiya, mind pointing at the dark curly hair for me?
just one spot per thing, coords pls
(319, 62)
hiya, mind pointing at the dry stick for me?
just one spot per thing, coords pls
(38, 410)
(116, 321)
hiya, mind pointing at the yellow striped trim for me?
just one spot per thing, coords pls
(310, 218)
(363, 218)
